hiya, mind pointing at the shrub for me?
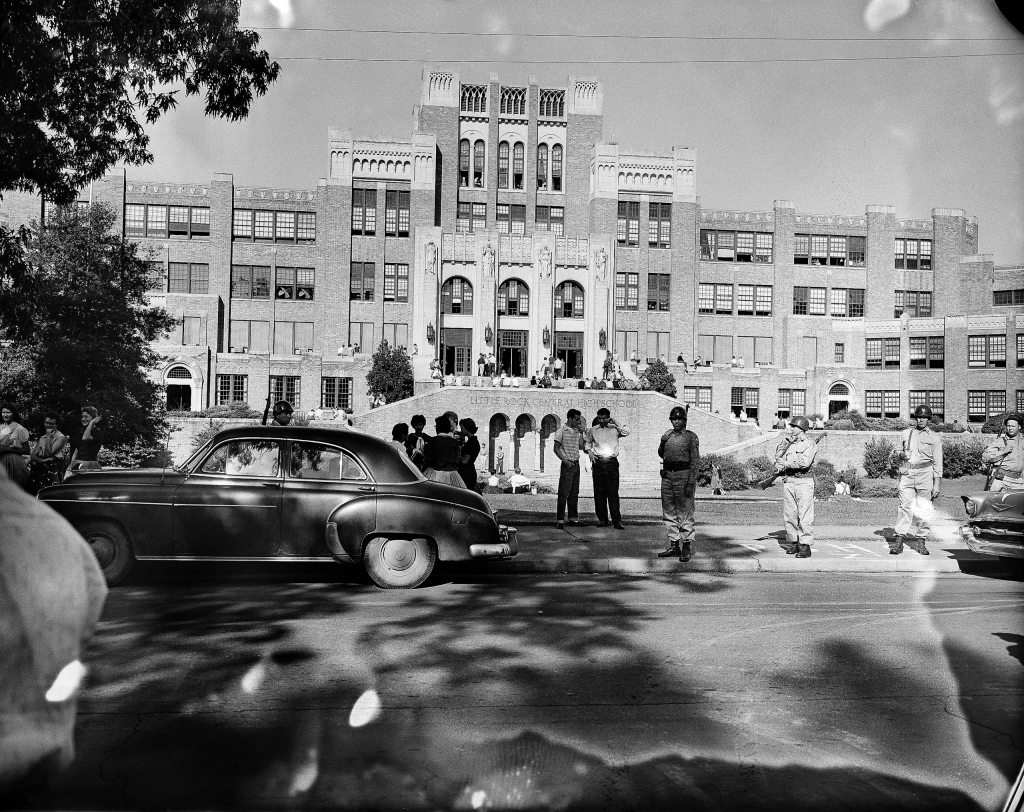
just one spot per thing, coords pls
(879, 489)
(994, 424)
(962, 457)
(948, 428)
(760, 468)
(844, 424)
(734, 474)
(879, 458)
(859, 422)
(131, 455)
(300, 418)
(659, 378)
(853, 479)
(236, 410)
(206, 434)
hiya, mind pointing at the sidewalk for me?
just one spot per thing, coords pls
(725, 548)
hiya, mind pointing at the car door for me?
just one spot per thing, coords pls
(321, 479)
(230, 506)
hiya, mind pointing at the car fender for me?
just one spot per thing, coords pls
(349, 526)
(452, 528)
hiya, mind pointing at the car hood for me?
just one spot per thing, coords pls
(1004, 506)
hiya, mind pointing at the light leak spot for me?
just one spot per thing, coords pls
(366, 709)
(254, 678)
(478, 799)
(67, 682)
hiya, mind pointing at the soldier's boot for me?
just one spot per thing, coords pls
(803, 551)
(896, 545)
(917, 545)
(686, 553)
(671, 552)
(790, 547)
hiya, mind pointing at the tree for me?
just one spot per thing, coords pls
(80, 326)
(390, 374)
(658, 378)
(75, 75)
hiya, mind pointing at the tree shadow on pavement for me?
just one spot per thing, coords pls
(528, 695)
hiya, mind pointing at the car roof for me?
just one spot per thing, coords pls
(378, 455)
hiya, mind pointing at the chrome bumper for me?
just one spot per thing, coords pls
(507, 547)
(1009, 549)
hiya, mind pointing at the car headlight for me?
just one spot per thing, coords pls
(971, 506)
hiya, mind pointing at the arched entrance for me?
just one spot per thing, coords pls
(497, 435)
(179, 389)
(838, 398)
(525, 425)
(548, 426)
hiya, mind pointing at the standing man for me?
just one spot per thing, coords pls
(568, 442)
(282, 413)
(794, 457)
(1006, 455)
(499, 458)
(492, 364)
(680, 454)
(920, 478)
(557, 366)
(602, 445)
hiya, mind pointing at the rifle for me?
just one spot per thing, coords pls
(767, 483)
(266, 410)
(990, 473)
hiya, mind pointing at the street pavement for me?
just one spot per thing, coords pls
(681, 690)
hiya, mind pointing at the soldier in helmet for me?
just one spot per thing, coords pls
(680, 454)
(1006, 455)
(920, 480)
(282, 413)
(794, 457)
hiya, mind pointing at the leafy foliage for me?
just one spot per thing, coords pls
(74, 77)
(390, 374)
(733, 473)
(879, 458)
(853, 479)
(81, 327)
(206, 434)
(962, 457)
(760, 468)
(133, 455)
(994, 424)
(657, 377)
(879, 489)
(236, 410)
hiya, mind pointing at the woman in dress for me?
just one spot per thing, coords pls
(47, 460)
(443, 455)
(86, 443)
(470, 451)
(13, 444)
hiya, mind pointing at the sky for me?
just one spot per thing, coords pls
(832, 105)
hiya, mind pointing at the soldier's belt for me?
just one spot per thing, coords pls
(677, 466)
(916, 465)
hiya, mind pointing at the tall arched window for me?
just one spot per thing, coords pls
(478, 164)
(464, 162)
(457, 296)
(518, 163)
(503, 165)
(542, 166)
(569, 301)
(556, 168)
(513, 298)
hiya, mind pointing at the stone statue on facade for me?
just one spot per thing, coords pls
(545, 262)
(488, 260)
(431, 258)
(601, 263)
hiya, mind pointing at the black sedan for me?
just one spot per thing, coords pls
(996, 523)
(283, 493)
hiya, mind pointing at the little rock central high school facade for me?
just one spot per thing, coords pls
(506, 224)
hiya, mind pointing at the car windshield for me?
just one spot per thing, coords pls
(193, 459)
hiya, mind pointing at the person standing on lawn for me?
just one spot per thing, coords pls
(568, 442)
(602, 445)
(794, 457)
(680, 454)
(920, 480)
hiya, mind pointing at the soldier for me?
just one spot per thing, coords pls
(920, 479)
(680, 453)
(282, 413)
(794, 457)
(1006, 455)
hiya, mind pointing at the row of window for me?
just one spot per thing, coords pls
(180, 222)
(396, 212)
(509, 218)
(511, 165)
(753, 350)
(262, 225)
(253, 282)
(808, 249)
(1003, 298)
(363, 279)
(749, 300)
(659, 224)
(842, 302)
(736, 246)
(473, 99)
(335, 393)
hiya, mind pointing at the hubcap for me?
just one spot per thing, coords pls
(398, 554)
(104, 550)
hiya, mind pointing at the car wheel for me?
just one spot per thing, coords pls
(399, 563)
(112, 548)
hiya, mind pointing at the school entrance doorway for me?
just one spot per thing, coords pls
(456, 350)
(569, 347)
(838, 398)
(512, 352)
(179, 389)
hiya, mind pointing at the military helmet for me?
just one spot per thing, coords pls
(801, 422)
(282, 406)
(1014, 416)
(677, 412)
(923, 411)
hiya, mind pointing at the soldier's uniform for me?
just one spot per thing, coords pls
(923, 449)
(795, 458)
(1007, 455)
(680, 453)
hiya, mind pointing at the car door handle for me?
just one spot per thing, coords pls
(271, 484)
(368, 488)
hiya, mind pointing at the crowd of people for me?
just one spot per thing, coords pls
(53, 455)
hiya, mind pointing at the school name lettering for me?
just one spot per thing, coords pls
(593, 404)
